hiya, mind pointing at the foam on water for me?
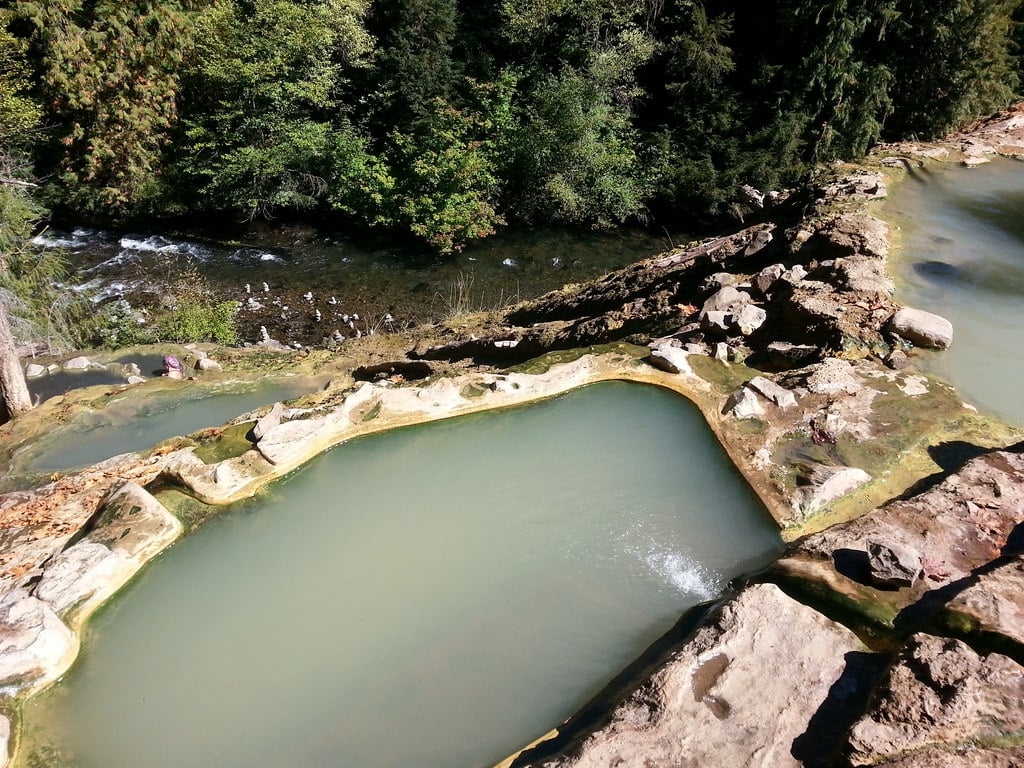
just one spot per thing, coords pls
(684, 574)
(158, 244)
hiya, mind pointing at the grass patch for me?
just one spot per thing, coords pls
(219, 444)
(189, 510)
(726, 377)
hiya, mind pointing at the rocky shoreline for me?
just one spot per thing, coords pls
(890, 633)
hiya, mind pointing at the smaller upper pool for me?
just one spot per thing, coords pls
(138, 422)
(962, 257)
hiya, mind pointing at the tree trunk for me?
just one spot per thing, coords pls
(14, 397)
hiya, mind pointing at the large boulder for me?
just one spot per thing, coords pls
(992, 605)
(922, 329)
(702, 706)
(857, 233)
(940, 693)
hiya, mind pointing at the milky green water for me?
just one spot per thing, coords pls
(433, 597)
(963, 258)
(139, 424)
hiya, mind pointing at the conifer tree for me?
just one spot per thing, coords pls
(955, 61)
(109, 72)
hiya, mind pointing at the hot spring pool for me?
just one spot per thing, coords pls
(435, 596)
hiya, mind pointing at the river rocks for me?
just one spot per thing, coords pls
(863, 275)
(749, 318)
(922, 329)
(725, 299)
(765, 280)
(857, 233)
(861, 184)
(940, 693)
(34, 643)
(893, 565)
(772, 392)
(700, 706)
(34, 370)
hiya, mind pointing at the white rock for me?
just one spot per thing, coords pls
(79, 363)
(767, 388)
(34, 370)
(744, 404)
(671, 358)
(34, 643)
(923, 329)
(78, 573)
(832, 483)
(749, 318)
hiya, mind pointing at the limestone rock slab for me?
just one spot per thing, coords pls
(700, 707)
(34, 643)
(132, 528)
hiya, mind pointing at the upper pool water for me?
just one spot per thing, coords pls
(137, 423)
(962, 257)
(436, 596)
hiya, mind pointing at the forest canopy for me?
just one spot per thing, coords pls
(446, 120)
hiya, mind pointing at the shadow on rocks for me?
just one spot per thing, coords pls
(950, 456)
(819, 746)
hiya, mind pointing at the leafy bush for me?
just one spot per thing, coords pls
(119, 325)
(195, 319)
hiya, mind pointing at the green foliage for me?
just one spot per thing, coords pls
(110, 71)
(258, 126)
(440, 119)
(19, 115)
(195, 315)
(577, 156)
(118, 325)
(37, 308)
(414, 65)
(956, 61)
(194, 319)
(845, 79)
(441, 186)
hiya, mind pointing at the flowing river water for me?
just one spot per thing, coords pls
(435, 596)
(962, 257)
(304, 287)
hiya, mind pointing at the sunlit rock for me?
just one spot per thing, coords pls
(699, 705)
(940, 694)
(922, 329)
(34, 643)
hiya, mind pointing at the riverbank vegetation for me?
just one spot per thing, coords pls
(445, 120)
